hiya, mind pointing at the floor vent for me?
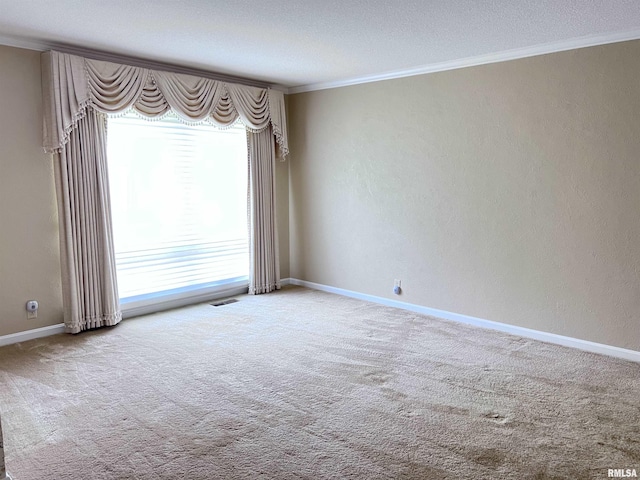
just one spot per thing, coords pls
(224, 302)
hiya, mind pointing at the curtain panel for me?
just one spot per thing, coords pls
(264, 262)
(87, 254)
(78, 93)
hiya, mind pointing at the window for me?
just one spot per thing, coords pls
(179, 206)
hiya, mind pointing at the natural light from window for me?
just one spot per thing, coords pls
(179, 205)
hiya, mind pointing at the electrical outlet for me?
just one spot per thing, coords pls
(397, 287)
(397, 283)
(32, 309)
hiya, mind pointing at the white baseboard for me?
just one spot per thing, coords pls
(31, 334)
(456, 317)
(480, 322)
(128, 311)
(133, 310)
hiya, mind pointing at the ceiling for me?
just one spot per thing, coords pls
(310, 44)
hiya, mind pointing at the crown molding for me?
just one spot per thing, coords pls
(42, 46)
(27, 44)
(506, 55)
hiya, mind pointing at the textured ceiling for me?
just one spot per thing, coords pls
(310, 42)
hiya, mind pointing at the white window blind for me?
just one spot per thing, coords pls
(179, 205)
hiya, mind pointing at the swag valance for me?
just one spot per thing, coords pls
(71, 84)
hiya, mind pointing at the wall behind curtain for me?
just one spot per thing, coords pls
(509, 192)
(282, 207)
(29, 248)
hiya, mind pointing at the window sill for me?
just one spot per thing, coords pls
(156, 302)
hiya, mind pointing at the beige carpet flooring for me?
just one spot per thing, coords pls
(304, 384)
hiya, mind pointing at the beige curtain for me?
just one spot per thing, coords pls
(76, 93)
(89, 283)
(264, 264)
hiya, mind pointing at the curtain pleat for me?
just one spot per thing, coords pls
(277, 114)
(113, 87)
(252, 104)
(191, 98)
(65, 95)
(151, 102)
(224, 112)
(89, 286)
(264, 263)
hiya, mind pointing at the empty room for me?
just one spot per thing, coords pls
(319, 240)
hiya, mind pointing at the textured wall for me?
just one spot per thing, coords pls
(29, 252)
(282, 214)
(509, 192)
